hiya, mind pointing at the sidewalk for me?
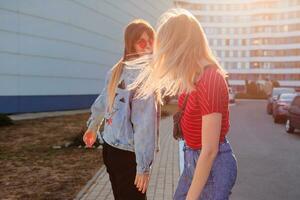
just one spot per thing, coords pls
(164, 176)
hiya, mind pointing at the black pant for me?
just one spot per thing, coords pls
(121, 167)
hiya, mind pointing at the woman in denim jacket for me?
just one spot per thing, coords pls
(131, 125)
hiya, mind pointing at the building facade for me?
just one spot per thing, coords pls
(55, 53)
(254, 40)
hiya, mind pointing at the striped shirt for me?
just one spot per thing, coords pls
(210, 96)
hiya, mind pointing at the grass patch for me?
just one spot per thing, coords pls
(32, 169)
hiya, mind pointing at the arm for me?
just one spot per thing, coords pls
(211, 128)
(212, 92)
(98, 108)
(143, 117)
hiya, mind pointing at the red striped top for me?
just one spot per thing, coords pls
(210, 96)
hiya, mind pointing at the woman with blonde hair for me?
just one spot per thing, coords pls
(184, 64)
(131, 124)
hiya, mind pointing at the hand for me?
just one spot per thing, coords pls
(141, 182)
(89, 138)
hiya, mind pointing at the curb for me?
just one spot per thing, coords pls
(253, 100)
(38, 115)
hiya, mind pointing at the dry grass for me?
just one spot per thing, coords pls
(31, 169)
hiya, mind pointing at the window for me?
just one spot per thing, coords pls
(247, 65)
(223, 30)
(239, 65)
(239, 53)
(235, 53)
(223, 54)
(227, 42)
(215, 42)
(226, 53)
(244, 42)
(219, 42)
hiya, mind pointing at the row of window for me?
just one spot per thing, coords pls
(287, 52)
(225, 54)
(256, 41)
(246, 18)
(257, 53)
(256, 29)
(237, 6)
(290, 77)
(229, 42)
(275, 65)
(235, 65)
(275, 41)
(261, 65)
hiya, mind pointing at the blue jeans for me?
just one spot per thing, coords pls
(221, 179)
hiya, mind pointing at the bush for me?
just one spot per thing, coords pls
(5, 120)
(254, 91)
(251, 96)
(275, 83)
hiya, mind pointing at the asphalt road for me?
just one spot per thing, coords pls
(268, 157)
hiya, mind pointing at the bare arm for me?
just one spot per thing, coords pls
(211, 128)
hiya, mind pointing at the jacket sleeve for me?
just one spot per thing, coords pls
(98, 108)
(143, 118)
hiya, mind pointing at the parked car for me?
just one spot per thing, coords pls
(273, 97)
(231, 95)
(293, 118)
(281, 106)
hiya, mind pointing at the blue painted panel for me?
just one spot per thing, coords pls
(24, 104)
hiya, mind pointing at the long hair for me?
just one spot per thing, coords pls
(133, 32)
(179, 47)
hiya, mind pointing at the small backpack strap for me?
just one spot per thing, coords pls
(185, 102)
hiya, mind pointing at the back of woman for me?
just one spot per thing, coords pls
(183, 64)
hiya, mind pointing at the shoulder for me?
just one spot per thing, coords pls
(212, 78)
(212, 73)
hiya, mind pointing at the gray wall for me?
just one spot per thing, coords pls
(55, 48)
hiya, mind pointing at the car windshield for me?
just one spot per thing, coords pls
(287, 97)
(277, 91)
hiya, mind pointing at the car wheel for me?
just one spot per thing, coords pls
(269, 109)
(276, 119)
(288, 127)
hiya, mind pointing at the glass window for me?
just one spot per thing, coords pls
(227, 53)
(224, 30)
(223, 53)
(239, 53)
(239, 65)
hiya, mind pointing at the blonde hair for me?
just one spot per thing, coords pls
(179, 50)
(132, 34)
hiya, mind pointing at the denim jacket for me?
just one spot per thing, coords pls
(132, 125)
